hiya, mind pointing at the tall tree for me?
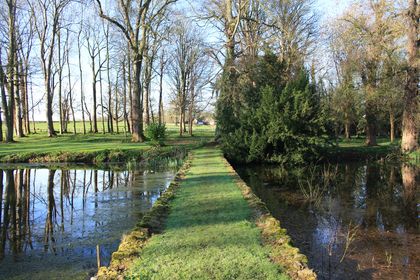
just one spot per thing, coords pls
(7, 79)
(411, 95)
(372, 32)
(134, 24)
(82, 96)
(94, 47)
(46, 16)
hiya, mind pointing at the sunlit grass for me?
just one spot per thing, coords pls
(40, 143)
(208, 234)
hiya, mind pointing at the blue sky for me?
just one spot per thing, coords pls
(331, 8)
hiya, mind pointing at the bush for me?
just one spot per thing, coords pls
(156, 133)
(264, 116)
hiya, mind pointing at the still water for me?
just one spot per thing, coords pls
(352, 221)
(52, 219)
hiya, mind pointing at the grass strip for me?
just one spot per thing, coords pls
(209, 233)
(274, 238)
(151, 223)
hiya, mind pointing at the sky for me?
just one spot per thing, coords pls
(331, 8)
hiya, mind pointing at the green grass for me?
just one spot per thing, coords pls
(69, 143)
(356, 148)
(208, 234)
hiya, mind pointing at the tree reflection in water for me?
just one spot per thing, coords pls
(55, 218)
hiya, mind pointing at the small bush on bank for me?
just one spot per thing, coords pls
(156, 133)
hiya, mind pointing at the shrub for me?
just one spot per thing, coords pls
(265, 116)
(156, 133)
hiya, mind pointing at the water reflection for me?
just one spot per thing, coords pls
(353, 221)
(52, 219)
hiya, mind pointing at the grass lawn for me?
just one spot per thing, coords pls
(208, 234)
(40, 143)
(356, 148)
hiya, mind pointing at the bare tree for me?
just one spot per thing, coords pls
(94, 47)
(186, 70)
(162, 65)
(46, 16)
(82, 96)
(25, 44)
(292, 29)
(70, 85)
(227, 16)
(136, 37)
(7, 79)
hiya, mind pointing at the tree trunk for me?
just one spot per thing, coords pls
(160, 112)
(409, 141)
(89, 117)
(392, 126)
(18, 108)
(82, 98)
(60, 83)
(370, 109)
(1, 131)
(180, 121)
(101, 93)
(130, 91)
(184, 119)
(95, 123)
(190, 111)
(70, 89)
(124, 74)
(116, 105)
(26, 100)
(136, 107)
(9, 105)
(33, 110)
(347, 129)
(152, 114)
(110, 117)
(147, 75)
(49, 111)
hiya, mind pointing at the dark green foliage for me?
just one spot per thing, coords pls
(269, 115)
(156, 133)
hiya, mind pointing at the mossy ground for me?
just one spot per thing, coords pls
(209, 233)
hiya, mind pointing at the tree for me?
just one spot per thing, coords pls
(25, 42)
(94, 47)
(371, 33)
(82, 96)
(46, 15)
(409, 141)
(188, 49)
(162, 64)
(292, 25)
(134, 24)
(7, 79)
(272, 118)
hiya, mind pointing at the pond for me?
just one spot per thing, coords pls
(52, 219)
(352, 220)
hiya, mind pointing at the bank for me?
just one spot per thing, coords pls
(207, 225)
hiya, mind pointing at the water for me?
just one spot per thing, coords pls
(52, 220)
(353, 221)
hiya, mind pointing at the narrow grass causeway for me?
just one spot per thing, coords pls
(208, 234)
